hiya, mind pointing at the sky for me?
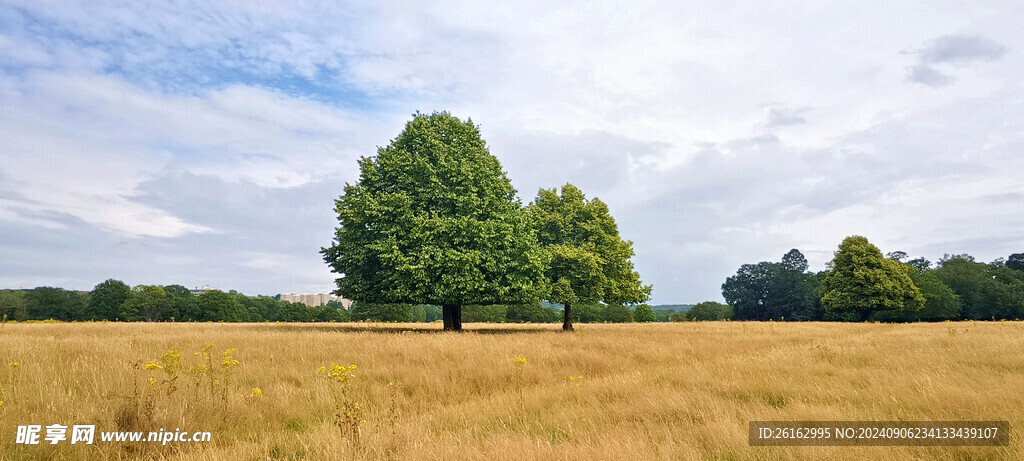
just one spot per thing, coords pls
(203, 143)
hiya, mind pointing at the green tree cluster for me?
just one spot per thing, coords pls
(434, 220)
(861, 284)
(774, 291)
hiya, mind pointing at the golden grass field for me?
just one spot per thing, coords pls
(648, 391)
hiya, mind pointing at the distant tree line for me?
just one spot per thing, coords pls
(113, 300)
(861, 284)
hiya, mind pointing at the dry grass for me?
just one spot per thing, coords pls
(653, 391)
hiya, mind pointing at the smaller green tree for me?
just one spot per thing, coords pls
(860, 279)
(644, 313)
(588, 260)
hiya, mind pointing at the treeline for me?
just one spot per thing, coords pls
(113, 300)
(860, 284)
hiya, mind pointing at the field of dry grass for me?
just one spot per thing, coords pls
(645, 391)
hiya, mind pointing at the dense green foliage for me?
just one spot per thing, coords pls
(530, 313)
(860, 279)
(54, 303)
(677, 317)
(616, 313)
(587, 260)
(959, 288)
(377, 312)
(588, 313)
(774, 291)
(107, 299)
(13, 305)
(988, 292)
(644, 313)
(147, 303)
(940, 303)
(491, 313)
(709, 310)
(433, 219)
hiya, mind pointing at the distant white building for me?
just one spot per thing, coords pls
(203, 289)
(316, 299)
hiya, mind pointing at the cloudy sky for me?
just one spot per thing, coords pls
(204, 142)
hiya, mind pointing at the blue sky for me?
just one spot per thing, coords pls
(204, 142)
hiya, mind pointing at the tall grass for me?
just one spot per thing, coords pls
(657, 391)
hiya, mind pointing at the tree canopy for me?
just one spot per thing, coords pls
(433, 219)
(107, 298)
(860, 279)
(588, 260)
(774, 291)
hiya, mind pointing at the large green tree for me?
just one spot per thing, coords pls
(106, 300)
(433, 219)
(860, 279)
(588, 261)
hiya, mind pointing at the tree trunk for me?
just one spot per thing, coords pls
(567, 323)
(871, 316)
(452, 315)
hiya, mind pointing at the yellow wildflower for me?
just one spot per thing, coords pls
(256, 393)
(151, 365)
(14, 364)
